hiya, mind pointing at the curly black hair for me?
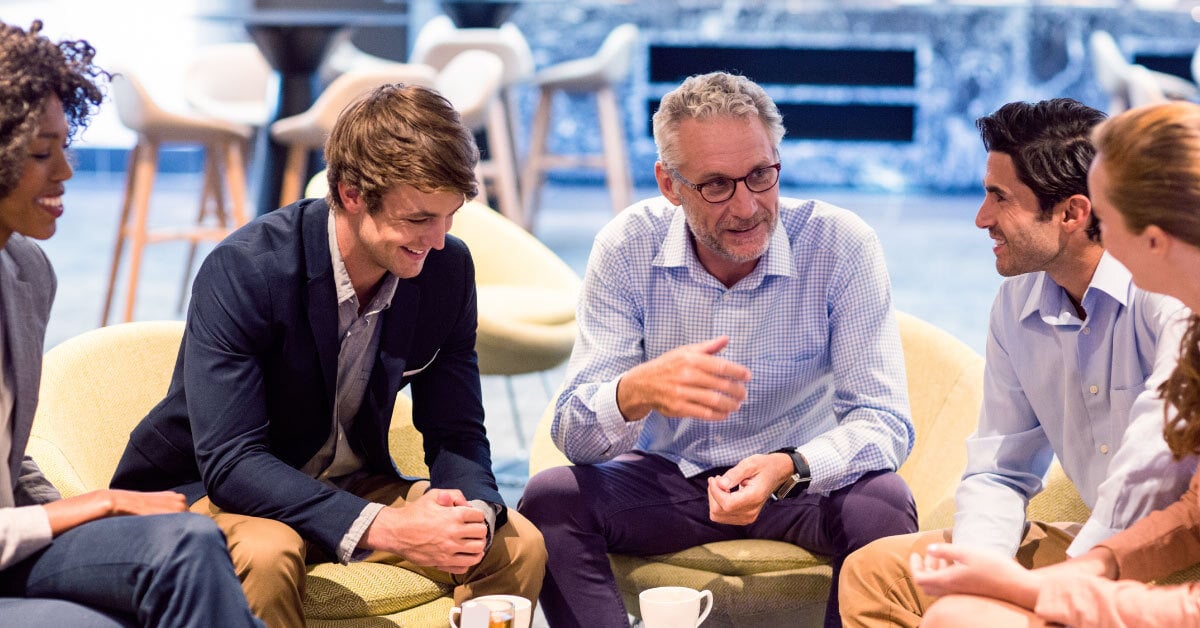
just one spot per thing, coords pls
(32, 68)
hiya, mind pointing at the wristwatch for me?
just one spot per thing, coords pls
(799, 479)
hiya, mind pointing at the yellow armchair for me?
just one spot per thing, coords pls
(98, 385)
(772, 583)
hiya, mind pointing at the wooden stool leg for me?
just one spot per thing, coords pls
(210, 193)
(145, 170)
(535, 173)
(293, 173)
(505, 164)
(616, 159)
(235, 179)
(122, 231)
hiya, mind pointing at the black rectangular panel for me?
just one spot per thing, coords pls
(787, 66)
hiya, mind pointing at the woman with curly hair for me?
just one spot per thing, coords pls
(75, 561)
(1145, 189)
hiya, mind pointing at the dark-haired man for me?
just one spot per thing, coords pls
(1075, 353)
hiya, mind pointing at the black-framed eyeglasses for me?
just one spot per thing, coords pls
(721, 189)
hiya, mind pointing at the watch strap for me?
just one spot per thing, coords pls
(800, 478)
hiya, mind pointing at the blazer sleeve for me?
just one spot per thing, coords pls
(228, 328)
(32, 488)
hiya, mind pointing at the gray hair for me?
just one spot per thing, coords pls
(706, 96)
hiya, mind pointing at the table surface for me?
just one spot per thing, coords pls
(312, 17)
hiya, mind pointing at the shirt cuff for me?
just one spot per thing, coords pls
(489, 511)
(348, 549)
(1089, 535)
(608, 414)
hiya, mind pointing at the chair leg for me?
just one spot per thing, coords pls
(122, 231)
(146, 169)
(504, 163)
(293, 173)
(535, 174)
(210, 192)
(516, 414)
(616, 158)
(235, 179)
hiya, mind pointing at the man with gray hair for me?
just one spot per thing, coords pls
(738, 371)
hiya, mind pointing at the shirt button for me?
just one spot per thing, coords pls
(1087, 330)
(1104, 449)
(1094, 389)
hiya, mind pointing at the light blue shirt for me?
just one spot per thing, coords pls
(1082, 390)
(813, 322)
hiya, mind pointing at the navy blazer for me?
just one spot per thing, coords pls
(251, 399)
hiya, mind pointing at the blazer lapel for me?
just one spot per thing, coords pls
(24, 355)
(322, 296)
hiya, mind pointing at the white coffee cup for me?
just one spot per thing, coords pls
(673, 607)
(480, 613)
(522, 607)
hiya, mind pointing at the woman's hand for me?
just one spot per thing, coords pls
(68, 513)
(947, 568)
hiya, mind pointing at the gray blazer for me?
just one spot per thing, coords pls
(27, 286)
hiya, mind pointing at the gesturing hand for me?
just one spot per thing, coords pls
(947, 568)
(438, 529)
(685, 382)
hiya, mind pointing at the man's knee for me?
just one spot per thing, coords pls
(884, 502)
(523, 544)
(265, 551)
(877, 562)
(550, 497)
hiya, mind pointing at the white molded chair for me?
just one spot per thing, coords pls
(231, 81)
(471, 82)
(439, 41)
(224, 145)
(306, 131)
(597, 74)
(1113, 74)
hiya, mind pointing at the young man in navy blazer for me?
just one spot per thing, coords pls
(303, 327)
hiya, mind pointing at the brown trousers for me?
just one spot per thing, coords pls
(877, 590)
(269, 556)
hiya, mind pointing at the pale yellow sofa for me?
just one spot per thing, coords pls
(98, 385)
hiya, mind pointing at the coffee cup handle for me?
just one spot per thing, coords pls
(707, 607)
(454, 611)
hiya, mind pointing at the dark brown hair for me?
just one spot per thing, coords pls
(400, 134)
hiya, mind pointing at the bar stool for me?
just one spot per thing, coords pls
(597, 74)
(224, 145)
(231, 81)
(1112, 73)
(305, 132)
(471, 82)
(438, 42)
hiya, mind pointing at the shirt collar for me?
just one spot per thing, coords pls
(678, 251)
(341, 278)
(1050, 301)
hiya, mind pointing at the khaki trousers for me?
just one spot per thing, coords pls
(877, 590)
(269, 556)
